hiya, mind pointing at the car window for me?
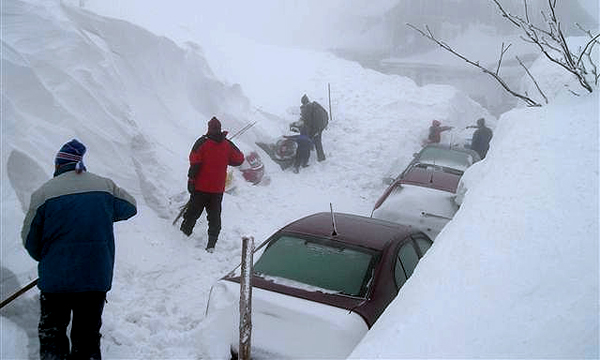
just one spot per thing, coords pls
(409, 258)
(399, 274)
(319, 263)
(445, 157)
(422, 243)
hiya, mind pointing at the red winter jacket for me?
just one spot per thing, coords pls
(209, 158)
(435, 133)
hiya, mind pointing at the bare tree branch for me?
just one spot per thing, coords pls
(587, 52)
(590, 44)
(550, 40)
(506, 15)
(502, 51)
(430, 36)
(595, 72)
(532, 79)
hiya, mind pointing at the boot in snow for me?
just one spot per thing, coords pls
(212, 241)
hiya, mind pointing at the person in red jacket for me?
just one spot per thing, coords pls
(209, 158)
(435, 132)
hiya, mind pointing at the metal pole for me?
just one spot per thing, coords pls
(246, 298)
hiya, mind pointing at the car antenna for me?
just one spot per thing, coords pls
(334, 232)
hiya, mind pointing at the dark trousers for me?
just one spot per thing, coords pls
(55, 316)
(198, 202)
(318, 146)
(302, 157)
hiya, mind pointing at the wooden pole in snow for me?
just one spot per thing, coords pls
(329, 95)
(246, 298)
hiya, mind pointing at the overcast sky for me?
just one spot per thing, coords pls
(298, 22)
(307, 23)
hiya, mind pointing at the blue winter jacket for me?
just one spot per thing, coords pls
(69, 231)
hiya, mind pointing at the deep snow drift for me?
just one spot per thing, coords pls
(515, 274)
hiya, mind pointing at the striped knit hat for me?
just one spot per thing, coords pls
(69, 153)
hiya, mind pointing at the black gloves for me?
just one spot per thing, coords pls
(190, 186)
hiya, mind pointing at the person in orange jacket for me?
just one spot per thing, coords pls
(209, 158)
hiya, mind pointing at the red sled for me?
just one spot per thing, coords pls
(253, 168)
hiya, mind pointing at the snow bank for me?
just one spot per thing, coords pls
(515, 274)
(138, 101)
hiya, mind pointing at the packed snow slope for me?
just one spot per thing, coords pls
(514, 275)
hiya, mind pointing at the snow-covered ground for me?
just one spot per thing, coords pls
(515, 274)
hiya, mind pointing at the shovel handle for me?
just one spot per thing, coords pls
(18, 293)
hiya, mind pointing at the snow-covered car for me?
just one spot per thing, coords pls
(454, 159)
(423, 197)
(319, 284)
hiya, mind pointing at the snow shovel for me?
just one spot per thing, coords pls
(182, 210)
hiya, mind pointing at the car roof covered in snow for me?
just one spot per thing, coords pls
(431, 178)
(351, 229)
(452, 157)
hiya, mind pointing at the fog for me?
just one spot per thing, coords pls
(332, 24)
(373, 33)
(299, 23)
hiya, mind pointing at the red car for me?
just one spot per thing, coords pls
(322, 284)
(422, 197)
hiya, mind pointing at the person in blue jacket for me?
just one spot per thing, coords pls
(68, 229)
(305, 144)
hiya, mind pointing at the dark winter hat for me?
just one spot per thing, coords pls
(71, 153)
(481, 122)
(214, 126)
(304, 99)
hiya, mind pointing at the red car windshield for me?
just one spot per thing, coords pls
(317, 263)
